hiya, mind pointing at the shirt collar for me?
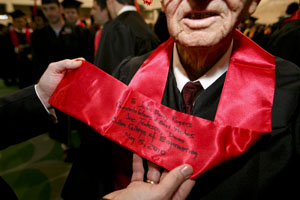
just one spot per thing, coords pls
(126, 8)
(208, 78)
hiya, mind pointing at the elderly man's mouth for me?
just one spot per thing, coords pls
(200, 15)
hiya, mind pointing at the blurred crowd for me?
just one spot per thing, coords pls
(281, 38)
(20, 55)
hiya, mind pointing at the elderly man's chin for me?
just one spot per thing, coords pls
(196, 39)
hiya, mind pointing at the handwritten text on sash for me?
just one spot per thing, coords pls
(144, 126)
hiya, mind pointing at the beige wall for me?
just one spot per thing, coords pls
(268, 11)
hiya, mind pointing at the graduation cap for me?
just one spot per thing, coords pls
(38, 13)
(50, 1)
(253, 19)
(292, 7)
(71, 4)
(17, 14)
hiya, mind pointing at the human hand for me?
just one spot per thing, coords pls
(173, 185)
(154, 175)
(52, 77)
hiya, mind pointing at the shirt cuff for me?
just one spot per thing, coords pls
(41, 100)
(50, 111)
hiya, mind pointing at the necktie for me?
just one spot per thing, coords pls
(189, 92)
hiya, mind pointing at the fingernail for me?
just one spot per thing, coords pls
(75, 62)
(187, 171)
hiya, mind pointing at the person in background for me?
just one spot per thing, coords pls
(63, 40)
(127, 34)
(71, 12)
(291, 8)
(21, 67)
(7, 56)
(251, 28)
(285, 41)
(56, 41)
(38, 20)
(160, 27)
(100, 16)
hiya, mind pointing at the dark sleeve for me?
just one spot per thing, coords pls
(22, 116)
(128, 67)
(145, 45)
(86, 43)
(161, 27)
(286, 109)
(115, 45)
(285, 42)
(40, 62)
(7, 57)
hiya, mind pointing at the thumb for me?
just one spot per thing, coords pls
(66, 64)
(175, 178)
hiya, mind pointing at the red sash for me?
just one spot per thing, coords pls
(133, 116)
(148, 2)
(80, 23)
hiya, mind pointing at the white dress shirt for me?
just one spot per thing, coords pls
(126, 8)
(208, 78)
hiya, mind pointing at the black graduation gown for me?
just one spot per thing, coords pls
(22, 117)
(126, 35)
(161, 27)
(285, 42)
(72, 42)
(23, 63)
(8, 67)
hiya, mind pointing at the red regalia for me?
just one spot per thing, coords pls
(14, 36)
(133, 116)
(81, 24)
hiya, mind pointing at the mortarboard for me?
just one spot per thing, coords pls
(71, 4)
(17, 14)
(253, 18)
(50, 1)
